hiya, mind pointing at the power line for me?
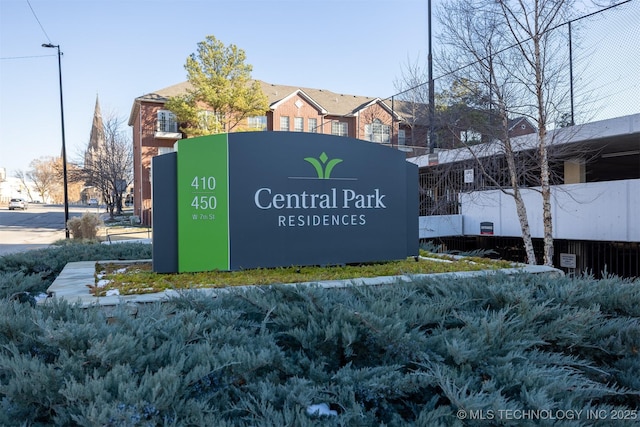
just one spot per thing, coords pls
(33, 12)
(452, 72)
(25, 57)
(36, 16)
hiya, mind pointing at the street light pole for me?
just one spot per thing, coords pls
(432, 137)
(64, 149)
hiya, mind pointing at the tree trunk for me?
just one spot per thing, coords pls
(544, 158)
(546, 204)
(524, 225)
(521, 209)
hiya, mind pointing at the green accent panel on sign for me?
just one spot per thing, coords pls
(203, 203)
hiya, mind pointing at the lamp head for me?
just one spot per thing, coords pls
(48, 45)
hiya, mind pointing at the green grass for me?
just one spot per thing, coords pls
(138, 278)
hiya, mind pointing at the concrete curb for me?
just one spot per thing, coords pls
(74, 282)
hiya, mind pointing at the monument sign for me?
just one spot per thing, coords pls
(268, 199)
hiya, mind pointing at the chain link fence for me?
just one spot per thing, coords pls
(606, 63)
(599, 76)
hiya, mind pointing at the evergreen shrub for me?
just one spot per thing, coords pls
(410, 354)
(34, 271)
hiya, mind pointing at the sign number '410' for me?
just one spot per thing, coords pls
(205, 183)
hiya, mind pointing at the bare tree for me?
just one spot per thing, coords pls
(530, 26)
(377, 125)
(45, 177)
(412, 102)
(473, 30)
(22, 176)
(510, 49)
(109, 166)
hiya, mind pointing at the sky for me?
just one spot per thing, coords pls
(117, 50)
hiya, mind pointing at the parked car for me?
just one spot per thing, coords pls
(93, 202)
(17, 204)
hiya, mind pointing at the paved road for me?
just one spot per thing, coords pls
(37, 227)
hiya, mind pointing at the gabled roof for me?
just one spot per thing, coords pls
(160, 96)
(327, 102)
(519, 120)
(333, 104)
(413, 113)
(382, 104)
(163, 95)
(303, 95)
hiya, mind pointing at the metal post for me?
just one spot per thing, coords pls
(432, 142)
(393, 122)
(64, 149)
(571, 74)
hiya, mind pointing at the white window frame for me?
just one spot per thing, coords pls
(298, 124)
(339, 128)
(470, 136)
(166, 122)
(206, 116)
(402, 138)
(257, 122)
(377, 132)
(165, 150)
(313, 125)
(285, 123)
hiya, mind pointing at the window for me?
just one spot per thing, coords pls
(284, 123)
(377, 132)
(339, 128)
(166, 122)
(298, 124)
(313, 125)
(257, 122)
(470, 136)
(210, 121)
(402, 140)
(164, 150)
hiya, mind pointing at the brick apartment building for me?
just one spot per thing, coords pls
(398, 124)
(291, 109)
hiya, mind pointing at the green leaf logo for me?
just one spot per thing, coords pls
(322, 167)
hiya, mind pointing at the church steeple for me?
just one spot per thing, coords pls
(96, 138)
(93, 153)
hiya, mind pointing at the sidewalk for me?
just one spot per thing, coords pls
(19, 239)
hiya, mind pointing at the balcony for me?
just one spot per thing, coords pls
(167, 135)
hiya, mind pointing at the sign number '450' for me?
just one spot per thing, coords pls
(204, 202)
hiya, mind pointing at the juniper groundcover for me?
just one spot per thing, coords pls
(427, 353)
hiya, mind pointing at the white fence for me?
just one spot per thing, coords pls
(605, 211)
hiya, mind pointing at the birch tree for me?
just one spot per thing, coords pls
(510, 48)
(531, 25)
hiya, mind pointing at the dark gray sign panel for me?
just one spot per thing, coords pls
(286, 198)
(316, 199)
(164, 214)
